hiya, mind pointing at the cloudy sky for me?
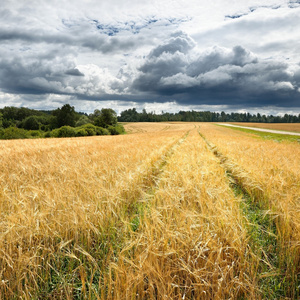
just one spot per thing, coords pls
(170, 55)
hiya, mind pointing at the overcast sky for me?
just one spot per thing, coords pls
(170, 55)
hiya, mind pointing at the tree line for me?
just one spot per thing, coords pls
(66, 122)
(62, 122)
(131, 115)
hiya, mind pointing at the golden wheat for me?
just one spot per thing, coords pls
(60, 193)
(147, 215)
(156, 127)
(270, 171)
(192, 243)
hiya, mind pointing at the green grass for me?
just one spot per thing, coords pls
(267, 135)
(264, 243)
(78, 269)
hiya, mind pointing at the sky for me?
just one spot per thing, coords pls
(158, 55)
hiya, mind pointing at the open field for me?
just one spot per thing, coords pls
(274, 126)
(156, 127)
(267, 134)
(259, 130)
(170, 211)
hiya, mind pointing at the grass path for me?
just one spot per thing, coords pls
(262, 129)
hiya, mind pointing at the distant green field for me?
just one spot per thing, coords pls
(267, 135)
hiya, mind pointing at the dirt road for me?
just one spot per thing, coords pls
(261, 129)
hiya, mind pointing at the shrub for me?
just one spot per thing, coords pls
(90, 129)
(14, 133)
(81, 132)
(102, 131)
(47, 134)
(117, 129)
(35, 133)
(120, 128)
(54, 133)
(66, 131)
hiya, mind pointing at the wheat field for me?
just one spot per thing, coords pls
(270, 173)
(168, 211)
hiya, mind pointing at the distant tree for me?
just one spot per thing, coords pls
(30, 123)
(223, 116)
(66, 115)
(9, 113)
(106, 117)
(23, 113)
(286, 118)
(131, 115)
(95, 114)
(6, 123)
(53, 123)
(18, 113)
(1, 120)
(264, 119)
(82, 121)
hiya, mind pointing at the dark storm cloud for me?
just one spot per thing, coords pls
(29, 74)
(218, 57)
(180, 42)
(92, 41)
(175, 69)
(74, 72)
(217, 76)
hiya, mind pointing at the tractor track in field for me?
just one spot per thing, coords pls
(260, 226)
(158, 165)
(150, 184)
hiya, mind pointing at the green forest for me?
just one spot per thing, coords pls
(16, 123)
(22, 123)
(132, 115)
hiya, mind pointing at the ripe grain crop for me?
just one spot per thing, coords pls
(147, 215)
(192, 243)
(270, 172)
(62, 202)
(154, 127)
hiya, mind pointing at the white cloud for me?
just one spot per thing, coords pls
(283, 85)
(267, 32)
